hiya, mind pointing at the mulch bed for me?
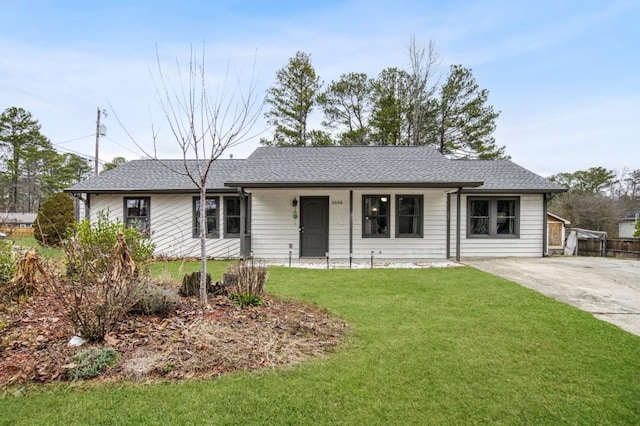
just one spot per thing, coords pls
(191, 342)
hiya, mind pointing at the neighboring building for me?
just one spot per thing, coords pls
(17, 220)
(627, 225)
(397, 202)
(556, 233)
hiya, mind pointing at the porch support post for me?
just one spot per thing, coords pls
(545, 247)
(448, 225)
(350, 226)
(458, 204)
(243, 218)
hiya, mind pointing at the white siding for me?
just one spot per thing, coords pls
(529, 243)
(274, 230)
(433, 243)
(171, 224)
(626, 228)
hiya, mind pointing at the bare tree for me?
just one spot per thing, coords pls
(204, 124)
(424, 62)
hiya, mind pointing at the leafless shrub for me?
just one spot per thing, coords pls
(101, 287)
(247, 277)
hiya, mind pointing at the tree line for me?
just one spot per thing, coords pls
(31, 170)
(397, 107)
(597, 197)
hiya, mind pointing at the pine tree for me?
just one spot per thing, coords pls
(292, 98)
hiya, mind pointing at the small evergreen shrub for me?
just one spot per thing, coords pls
(7, 262)
(55, 218)
(92, 362)
(155, 300)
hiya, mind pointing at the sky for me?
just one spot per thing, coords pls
(564, 74)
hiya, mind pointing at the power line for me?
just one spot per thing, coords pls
(74, 139)
(43, 100)
(122, 146)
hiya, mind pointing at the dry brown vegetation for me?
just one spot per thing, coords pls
(190, 342)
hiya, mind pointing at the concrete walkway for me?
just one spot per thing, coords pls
(607, 288)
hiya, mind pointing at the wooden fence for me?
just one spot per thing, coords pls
(591, 248)
(12, 231)
(628, 248)
(624, 247)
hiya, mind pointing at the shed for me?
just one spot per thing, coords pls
(627, 225)
(556, 233)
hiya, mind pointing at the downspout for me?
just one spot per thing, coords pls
(243, 230)
(448, 225)
(350, 226)
(458, 204)
(79, 198)
(545, 247)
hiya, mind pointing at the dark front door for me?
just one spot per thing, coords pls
(314, 226)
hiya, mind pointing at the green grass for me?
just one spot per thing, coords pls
(30, 242)
(178, 269)
(425, 346)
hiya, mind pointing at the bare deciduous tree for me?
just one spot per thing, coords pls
(424, 62)
(204, 127)
(204, 124)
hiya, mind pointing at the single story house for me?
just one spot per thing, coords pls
(342, 202)
(17, 220)
(627, 225)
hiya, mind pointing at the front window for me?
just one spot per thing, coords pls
(137, 214)
(375, 211)
(408, 216)
(211, 217)
(493, 217)
(232, 217)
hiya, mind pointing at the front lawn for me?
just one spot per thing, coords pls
(425, 346)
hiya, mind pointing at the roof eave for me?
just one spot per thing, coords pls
(513, 191)
(146, 191)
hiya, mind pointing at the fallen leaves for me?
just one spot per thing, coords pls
(191, 342)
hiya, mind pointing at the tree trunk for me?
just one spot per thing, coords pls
(203, 244)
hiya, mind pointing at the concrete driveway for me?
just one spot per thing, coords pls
(607, 288)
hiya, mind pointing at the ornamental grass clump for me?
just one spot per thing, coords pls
(245, 281)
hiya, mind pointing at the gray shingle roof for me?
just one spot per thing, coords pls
(348, 166)
(325, 167)
(505, 176)
(156, 176)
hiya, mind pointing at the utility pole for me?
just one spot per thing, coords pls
(101, 130)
